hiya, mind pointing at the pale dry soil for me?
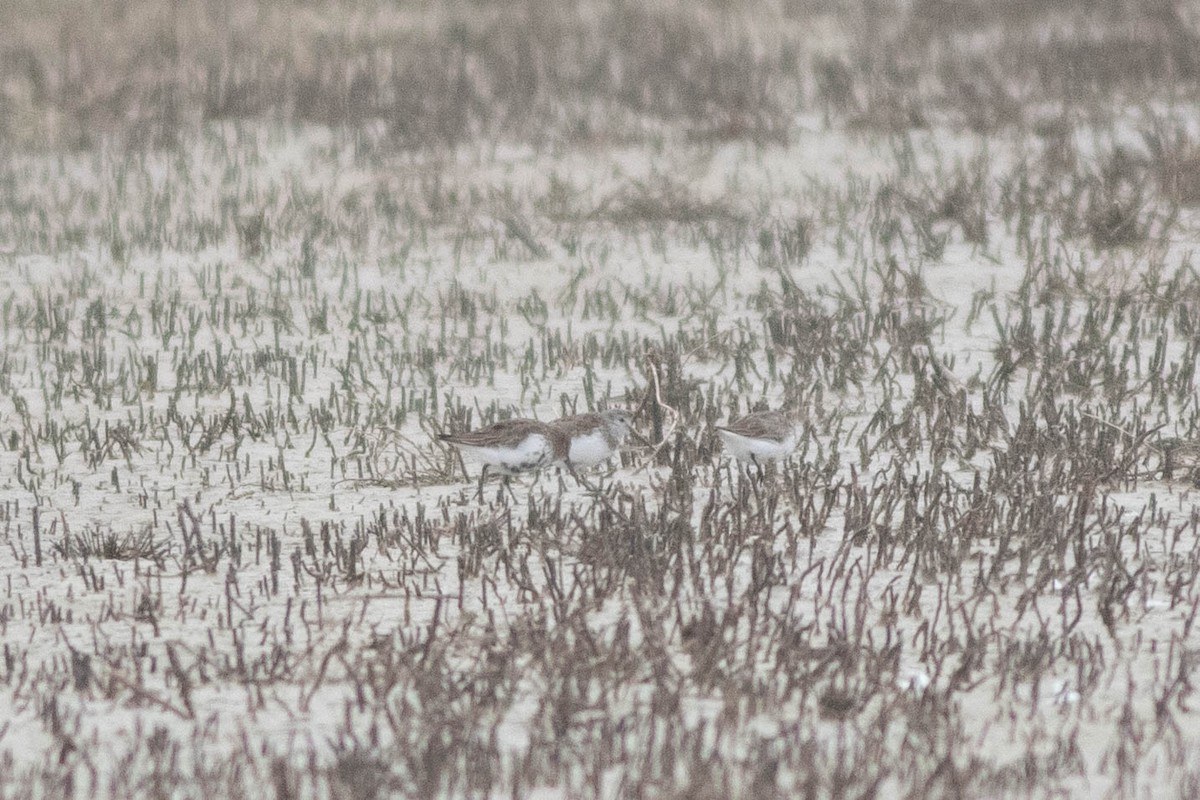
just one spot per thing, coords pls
(230, 639)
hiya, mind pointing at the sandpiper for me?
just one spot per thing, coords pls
(594, 438)
(512, 446)
(759, 437)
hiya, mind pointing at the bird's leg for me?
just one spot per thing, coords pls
(597, 493)
(570, 468)
(745, 483)
(582, 481)
(728, 470)
(482, 477)
(507, 483)
(760, 485)
(611, 469)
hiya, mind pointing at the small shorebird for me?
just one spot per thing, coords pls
(759, 437)
(511, 447)
(594, 438)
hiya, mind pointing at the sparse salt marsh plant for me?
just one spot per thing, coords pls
(110, 545)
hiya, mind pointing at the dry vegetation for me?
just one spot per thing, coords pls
(255, 256)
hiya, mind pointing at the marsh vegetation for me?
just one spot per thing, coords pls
(256, 257)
